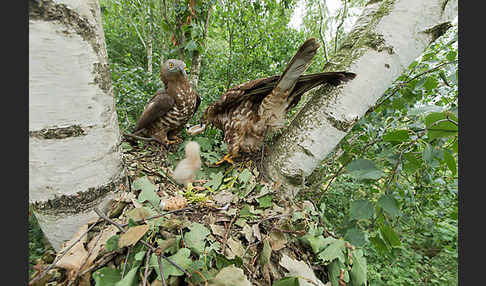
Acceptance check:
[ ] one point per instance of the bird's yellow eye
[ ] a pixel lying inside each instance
(171, 65)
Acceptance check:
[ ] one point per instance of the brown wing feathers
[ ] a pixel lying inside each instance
(157, 107)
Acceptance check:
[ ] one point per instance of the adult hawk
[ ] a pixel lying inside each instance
(245, 112)
(169, 110)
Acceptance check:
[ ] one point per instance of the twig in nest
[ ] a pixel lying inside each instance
(125, 263)
(159, 215)
(44, 272)
(226, 233)
(145, 275)
(159, 259)
(102, 261)
(86, 259)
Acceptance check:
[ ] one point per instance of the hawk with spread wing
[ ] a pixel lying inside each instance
(245, 112)
(169, 110)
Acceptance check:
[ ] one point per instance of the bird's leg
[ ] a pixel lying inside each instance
(172, 138)
(228, 158)
(201, 181)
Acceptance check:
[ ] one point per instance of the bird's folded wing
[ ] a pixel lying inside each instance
(160, 104)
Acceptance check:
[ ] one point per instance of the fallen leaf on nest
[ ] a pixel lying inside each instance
(299, 268)
(138, 213)
(174, 203)
(132, 235)
(230, 275)
(248, 232)
(277, 240)
(76, 255)
(218, 229)
(223, 197)
(256, 232)
(236, 248)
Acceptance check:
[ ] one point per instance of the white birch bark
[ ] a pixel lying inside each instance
(385, 40)
(74, 156)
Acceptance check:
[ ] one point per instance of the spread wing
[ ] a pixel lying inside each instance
(256, 90)
(159, 105)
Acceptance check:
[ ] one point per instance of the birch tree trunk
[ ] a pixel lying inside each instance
(385, 40)
(74, 155)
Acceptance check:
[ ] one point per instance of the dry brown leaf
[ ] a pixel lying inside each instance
(138, 213)
(108, 232)
(175, 203)
(218, 230)
(132, 235)
(256, 232)
(74, 258)
(223, 197)
(248, 232)
(277, 240)
(236, 247)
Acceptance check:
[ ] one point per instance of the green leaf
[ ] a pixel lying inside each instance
(148, 192)
(361, 209)
(266, 253)
(356, 237)
(245, 176)
(222, 261)
(438, 125)
(287, 281)
(411, 163)
(390, 235)
(334, 250)
(431, 83)
(451, 162)
(390, 205)
(249, 211)
(106, 276)
(130, 279)
(451, 55)
(195, 239)
(396, 136)
(140, 255)
(181, 258)
(334, 272)
(112, 243)
(317, 243)
(215, 181)
(427, 154)
(379, 245)
(265, 201)
(358, 271)
(364, 169)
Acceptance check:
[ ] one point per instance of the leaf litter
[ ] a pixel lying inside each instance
(236, 232)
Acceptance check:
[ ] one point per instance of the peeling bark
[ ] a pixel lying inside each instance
(385, 39)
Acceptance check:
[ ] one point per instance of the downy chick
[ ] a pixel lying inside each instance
(186, 170)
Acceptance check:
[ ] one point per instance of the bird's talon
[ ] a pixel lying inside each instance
(226, 158)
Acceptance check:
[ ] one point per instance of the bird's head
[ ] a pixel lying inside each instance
(173, 69)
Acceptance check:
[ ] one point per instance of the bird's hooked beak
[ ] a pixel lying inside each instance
(183, 70)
